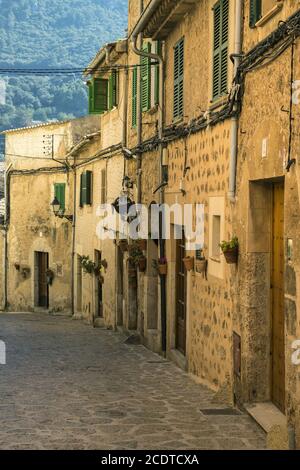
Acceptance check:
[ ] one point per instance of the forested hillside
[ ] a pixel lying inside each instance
(52, 33)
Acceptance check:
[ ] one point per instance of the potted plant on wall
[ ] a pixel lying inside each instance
(162, 266)
(50, 276)
(188, 262)
(230, 250)
(136, 256)
(88, 265)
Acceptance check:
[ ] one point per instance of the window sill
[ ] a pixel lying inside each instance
(218, 102)
(269, 15)
(178, 120)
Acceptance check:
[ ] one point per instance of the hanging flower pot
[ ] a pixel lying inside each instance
(162, 266)
(200, 265)
(230, 250)
(104, 264)
(49, 276)
(123, 245)
(188, 262)
(101, 279)
(231, 255)
(142, 264)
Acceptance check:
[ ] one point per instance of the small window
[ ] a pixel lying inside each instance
(59, 193)
(146, 78)
(103, 186)
(178, 80)
(220, 47)
(134, 98)
(86, 188)
(255, 12)
(113, 89)
(216, 236)
(98, 95)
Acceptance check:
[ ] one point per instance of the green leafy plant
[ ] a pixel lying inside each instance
(232, 244)
(88, 265)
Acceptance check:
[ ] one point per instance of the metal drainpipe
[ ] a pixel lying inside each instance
(6, 225)
(163, 297)
(234, 119)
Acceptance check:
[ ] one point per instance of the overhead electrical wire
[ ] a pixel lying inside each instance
(67, 71)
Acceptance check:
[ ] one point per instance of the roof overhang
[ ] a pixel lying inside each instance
(161, 16)
(109, 52)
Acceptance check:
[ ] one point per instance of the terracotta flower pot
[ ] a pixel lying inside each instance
(142, 263)
(201, 265)
(231, 255)
(188, 263)
(162, 269)
(101, 279)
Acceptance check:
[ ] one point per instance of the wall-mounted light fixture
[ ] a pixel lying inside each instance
(58, 211)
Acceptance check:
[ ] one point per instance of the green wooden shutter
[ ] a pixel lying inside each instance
(88, 185)
(113, 79)
(91, 96)
(59, 191)
(255, 12)
(220, 56)
(156, 85)
(82, 189)
(134, 97)
(100, 95)
(178, 79)
(146, 79)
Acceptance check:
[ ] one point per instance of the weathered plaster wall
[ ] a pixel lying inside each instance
(263, 155)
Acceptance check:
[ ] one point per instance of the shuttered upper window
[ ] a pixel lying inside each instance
(113, 89)
(255, 12)
(103, 186)
(59, 193)
(98, 95)
(85, 188)
(178, 79)
(146, 79)
(220, 56)
(134, 98)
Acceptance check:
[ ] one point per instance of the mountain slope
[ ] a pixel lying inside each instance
(52, 33)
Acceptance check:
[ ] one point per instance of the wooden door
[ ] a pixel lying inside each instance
(180, 296)
(43, 288)
(99, 289)
(278, 328)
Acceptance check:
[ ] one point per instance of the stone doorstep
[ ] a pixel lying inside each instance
(178, 358)
(273, 422)
(266, 415)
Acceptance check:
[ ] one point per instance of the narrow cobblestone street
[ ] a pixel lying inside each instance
(69, 386)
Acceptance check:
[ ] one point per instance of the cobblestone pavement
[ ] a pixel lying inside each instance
(69, 386)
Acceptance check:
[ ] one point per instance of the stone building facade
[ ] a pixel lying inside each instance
(266, 219)
(37, 246)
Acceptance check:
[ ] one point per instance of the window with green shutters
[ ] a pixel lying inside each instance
(98, 95)
(255, 12)
(156, 84)
(146, 79)
(86, 188)
(178, 79)
(59, 193)
(134, 98)
(220, 56)
(113, 89)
